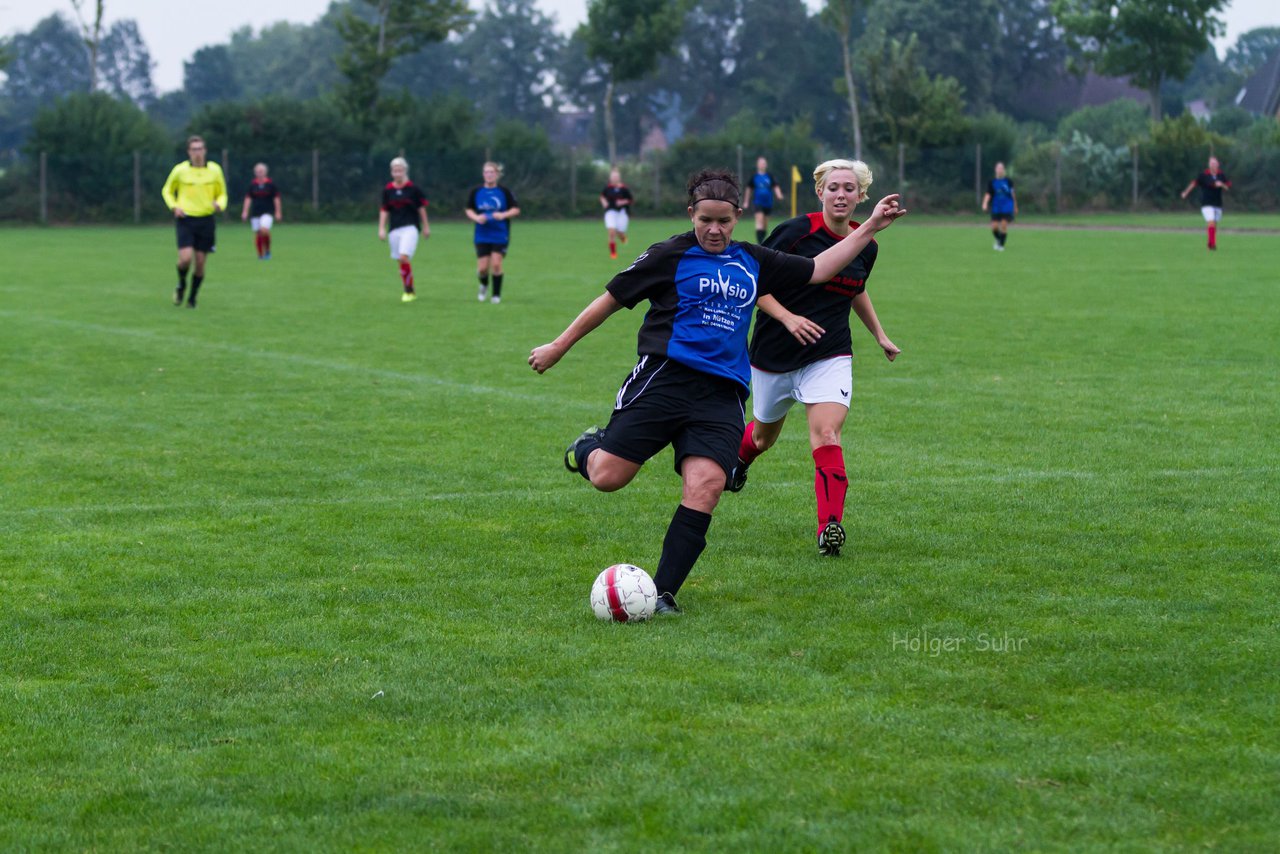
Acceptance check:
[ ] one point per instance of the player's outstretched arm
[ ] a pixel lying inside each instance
(801, 328)
(544, 357)
(834, 259)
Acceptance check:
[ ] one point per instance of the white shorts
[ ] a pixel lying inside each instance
(617, 220)
(823, 381)
(403, 241)
(258, 223)
(1211, 214)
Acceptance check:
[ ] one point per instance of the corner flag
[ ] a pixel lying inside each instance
(795, 182)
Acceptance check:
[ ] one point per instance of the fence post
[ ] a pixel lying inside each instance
(1057, 178)
(902, 164)
(1135, 176)
(315, 179)
(44, 187)
(742, 178)
(137, 187)
(977, 173)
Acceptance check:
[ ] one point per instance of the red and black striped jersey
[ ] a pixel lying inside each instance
(262, 195)
(402, 204)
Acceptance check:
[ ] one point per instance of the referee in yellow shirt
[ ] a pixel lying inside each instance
(195, 191)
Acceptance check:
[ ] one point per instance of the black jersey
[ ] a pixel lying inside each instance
(1210, 195)
(614, 195)
(262, 195)
(402, 204)
(700, 304)
(775, 349)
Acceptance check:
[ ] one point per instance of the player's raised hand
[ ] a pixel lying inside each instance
(887, 211)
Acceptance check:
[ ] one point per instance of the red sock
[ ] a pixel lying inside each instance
(257, 244)
(266, 242)
(406, 275)
(829, 483)
(1213, 235)
(747, 451)
(613, 248)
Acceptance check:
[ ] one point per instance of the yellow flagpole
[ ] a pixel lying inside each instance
(795, 182)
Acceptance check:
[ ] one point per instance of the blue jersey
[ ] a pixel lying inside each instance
(762, 184)
(700, 304)
(487, 200)
(1001, 190)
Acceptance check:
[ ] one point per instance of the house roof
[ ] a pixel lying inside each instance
(1261, 92)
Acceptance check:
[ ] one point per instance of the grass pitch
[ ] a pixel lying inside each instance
(301, 569)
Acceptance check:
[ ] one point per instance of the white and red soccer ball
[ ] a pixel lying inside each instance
(623, 593)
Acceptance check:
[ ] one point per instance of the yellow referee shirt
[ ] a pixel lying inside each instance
(195, 190)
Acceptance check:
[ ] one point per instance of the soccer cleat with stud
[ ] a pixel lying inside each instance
(666, 605)
(495, 300)
(739, 478)
(571, 452)
(408, 296)
(830, 539)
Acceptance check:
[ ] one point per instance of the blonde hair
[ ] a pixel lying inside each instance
(400, 161)
(495, 164)
(860, 171)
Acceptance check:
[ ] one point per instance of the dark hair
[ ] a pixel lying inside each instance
(719, 185)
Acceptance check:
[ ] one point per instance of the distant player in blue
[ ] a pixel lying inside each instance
(489, 207)
(1003, 204)
(690, 384)
(764, 189)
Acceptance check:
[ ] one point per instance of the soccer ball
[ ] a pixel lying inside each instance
(623, 593)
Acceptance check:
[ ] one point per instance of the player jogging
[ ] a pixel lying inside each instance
(802, 349)
(262, 210)
(1003, 204)
(764, 189)
(615, 198)
(195, 191)
(404, 210)
(690, 384)
(1212, 182)
(490, 206)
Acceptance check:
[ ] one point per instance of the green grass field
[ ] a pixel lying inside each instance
(302, 570)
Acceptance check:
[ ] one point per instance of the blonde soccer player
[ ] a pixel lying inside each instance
(262, 210)
(402, 217)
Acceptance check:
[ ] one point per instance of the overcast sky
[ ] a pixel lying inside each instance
(167, 26)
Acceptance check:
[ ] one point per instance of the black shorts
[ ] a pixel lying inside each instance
(484, 250)
(997, 217)
(665, 403)
(196, 232)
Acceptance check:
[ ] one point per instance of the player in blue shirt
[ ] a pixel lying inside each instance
(691, 382)
(1004, 206)
(764, 189)
(490, 206)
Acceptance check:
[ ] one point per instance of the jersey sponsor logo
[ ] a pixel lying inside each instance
(725, 287)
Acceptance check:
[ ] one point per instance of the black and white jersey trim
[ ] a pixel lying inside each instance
(622, 401)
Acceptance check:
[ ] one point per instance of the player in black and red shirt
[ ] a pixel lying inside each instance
(262, 210)
(1211, 182)
(404, 207)
(616, 201)
(802, 349)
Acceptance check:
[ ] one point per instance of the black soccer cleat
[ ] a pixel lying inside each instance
(739, 478)
(666, 605)
(831, 539)
(571, 452)
(178, 293)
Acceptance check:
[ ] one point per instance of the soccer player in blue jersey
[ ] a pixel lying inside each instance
(690, 384)
(491, 207)
(1004, 206)
(262, 210)
(1212, 182)
(764, 189)
(403, 211)
(802, 348)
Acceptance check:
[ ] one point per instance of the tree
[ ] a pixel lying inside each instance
(290, 60)
(1251, 50)
(375, 32)
(1147, 41)
(124, 64)
(908, 106)
(210, 76)
(92, 35)
(45, 64)
(842, 17)
(517, 83)
(629, 37)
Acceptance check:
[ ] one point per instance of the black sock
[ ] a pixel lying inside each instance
(182, 279)
(759, 235)
(196, 281)
(580, 454)
(484, 279)
(1004, 235)
(995, 232)
(497, 284)
(685, 540)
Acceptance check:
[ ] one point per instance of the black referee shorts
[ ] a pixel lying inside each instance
(665, 403)
(196, 232)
